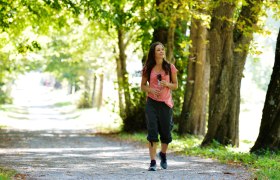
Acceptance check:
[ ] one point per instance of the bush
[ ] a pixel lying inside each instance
(4, 98)
(85, 101)
(135, 120)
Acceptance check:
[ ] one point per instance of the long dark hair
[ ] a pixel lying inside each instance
(151, 62)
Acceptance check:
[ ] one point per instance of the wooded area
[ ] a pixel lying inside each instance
(87, 42)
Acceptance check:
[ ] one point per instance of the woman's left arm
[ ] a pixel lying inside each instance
(174, 84)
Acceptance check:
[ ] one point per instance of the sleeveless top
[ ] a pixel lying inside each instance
(166, 93)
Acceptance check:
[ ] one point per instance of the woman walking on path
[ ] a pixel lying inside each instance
(162, 79)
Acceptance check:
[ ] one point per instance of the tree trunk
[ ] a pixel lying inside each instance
(120, 88)
(192, 120)
(269, 135)
(228, 51)
(160, 32)
(170, 42)
(70, 87)
(93, 91)
(123, 75)
(181, 64)
(100, 92)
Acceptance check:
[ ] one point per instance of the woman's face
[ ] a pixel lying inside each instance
(159, 52)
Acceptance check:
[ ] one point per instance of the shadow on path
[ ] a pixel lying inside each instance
(83, 155)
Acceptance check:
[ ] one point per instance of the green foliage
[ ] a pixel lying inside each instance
(61, 104)
(33, 46)
(85, 101)
(6, 173)
(4, 177)
(135, 137)
(5, 69)
(135, 120)
(275, 7)
(181, 44)
(5, 98)
(265, 167)
(178, 95)
(4, 14)
(21, 25)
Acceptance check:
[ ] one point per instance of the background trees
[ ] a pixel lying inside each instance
(229, 45)
(193, 115)
(96, 44)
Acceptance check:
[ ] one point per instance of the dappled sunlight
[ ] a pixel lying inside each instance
(37, 107)
(112, 159)
(72, 153)
(60, 150)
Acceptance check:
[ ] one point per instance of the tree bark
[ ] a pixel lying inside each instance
(160, 33)
(93, 91)
(228, 51)
(123, 75)
(170, 42)
(100, 92)
(120, 87)
(269, 135)
(192, 120)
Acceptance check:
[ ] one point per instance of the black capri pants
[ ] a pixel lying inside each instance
(159, 121)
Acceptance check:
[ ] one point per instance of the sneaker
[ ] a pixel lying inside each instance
(163, 161)
(153, 166)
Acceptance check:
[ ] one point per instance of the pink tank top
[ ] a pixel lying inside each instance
(166, 94)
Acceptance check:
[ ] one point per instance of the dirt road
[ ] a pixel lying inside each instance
(83, 155)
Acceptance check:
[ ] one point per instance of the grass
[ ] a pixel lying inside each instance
(2, 108)
(6, 173)
(61, 104)
(2, 127)
(15, 116)
(264, 167)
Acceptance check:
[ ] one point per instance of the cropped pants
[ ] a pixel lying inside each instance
(159, 121)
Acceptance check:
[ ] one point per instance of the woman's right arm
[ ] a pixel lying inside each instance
(144, 86)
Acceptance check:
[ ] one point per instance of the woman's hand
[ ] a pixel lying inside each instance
(164, 83)
(156, 92)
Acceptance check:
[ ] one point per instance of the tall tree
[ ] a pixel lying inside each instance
(170, 27)
(118, 19)
(193, 115)
(269, 138)
(229, 44)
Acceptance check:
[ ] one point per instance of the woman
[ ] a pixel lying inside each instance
(159, 78)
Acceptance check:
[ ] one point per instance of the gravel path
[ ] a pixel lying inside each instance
(82, 155)
(42, 141)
